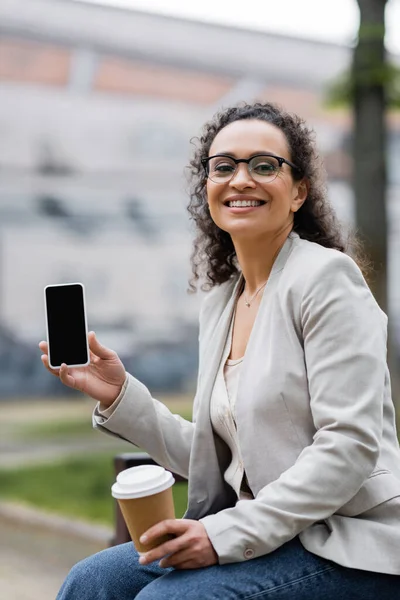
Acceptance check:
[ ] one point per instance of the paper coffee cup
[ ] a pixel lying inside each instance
(144, 495)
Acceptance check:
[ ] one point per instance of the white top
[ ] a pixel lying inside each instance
(231, 374)
(223, 416)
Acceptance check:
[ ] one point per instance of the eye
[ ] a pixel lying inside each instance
(265, 166)
(221, 165)
(224, 167)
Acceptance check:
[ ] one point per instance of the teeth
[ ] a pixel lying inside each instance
(239, 203)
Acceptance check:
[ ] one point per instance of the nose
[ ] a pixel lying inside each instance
(242, 178)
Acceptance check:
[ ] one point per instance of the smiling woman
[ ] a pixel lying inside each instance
(221, 179)
(292, 456)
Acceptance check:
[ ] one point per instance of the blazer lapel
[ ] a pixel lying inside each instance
(215, 345)
(206, 481)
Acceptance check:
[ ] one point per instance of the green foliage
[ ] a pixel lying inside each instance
(72, 428)
(370, 68)
(371, 32)
(76, 487)
(57, 429)
(341, 91)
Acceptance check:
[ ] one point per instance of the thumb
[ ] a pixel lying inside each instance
(97, 348)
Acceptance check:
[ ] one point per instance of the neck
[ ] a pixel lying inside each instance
(256, 258)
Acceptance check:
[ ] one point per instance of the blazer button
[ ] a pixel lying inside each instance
(249, 553)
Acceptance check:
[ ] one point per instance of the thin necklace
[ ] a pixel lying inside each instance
(248, 302)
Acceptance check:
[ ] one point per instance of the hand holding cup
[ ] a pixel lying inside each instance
(144, 495)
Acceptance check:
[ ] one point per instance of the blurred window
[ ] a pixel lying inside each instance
(33, 62)
(133, 77)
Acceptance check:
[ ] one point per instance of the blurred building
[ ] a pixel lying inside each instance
(97, 109)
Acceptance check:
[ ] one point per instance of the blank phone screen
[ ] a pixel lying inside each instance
(66, 325)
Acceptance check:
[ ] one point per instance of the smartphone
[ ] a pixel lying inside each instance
(66, 325)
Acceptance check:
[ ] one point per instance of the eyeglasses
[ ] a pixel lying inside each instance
(263, 168)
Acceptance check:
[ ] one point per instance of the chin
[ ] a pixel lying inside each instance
(244, 232)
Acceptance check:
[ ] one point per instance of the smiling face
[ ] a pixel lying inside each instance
(280, 198)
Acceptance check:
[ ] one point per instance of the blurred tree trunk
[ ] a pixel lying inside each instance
(369, 152)
(369, 70)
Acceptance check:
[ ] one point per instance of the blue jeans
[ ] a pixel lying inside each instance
(291, 572)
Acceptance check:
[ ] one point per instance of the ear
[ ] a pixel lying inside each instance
(301, 189)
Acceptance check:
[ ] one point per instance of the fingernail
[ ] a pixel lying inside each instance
(143, 539)
(142, 560)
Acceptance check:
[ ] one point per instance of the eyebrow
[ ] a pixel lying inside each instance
(233, 155)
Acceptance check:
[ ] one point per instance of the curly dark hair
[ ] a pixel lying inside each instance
(214, 256)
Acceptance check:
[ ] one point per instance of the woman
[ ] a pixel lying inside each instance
(292, 459)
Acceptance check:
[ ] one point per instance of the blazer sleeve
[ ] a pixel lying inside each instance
(344, 335)
(147, 423)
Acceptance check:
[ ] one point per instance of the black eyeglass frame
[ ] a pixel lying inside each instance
(205, 162)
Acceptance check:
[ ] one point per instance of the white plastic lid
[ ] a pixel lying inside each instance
(138, 482)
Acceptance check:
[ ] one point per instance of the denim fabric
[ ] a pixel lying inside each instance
(291, 572)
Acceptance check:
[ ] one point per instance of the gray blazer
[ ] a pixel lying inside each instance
(315, 419)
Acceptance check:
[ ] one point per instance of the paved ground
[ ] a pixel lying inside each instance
(36, 552)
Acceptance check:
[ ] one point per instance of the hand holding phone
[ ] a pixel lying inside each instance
(93, 369)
